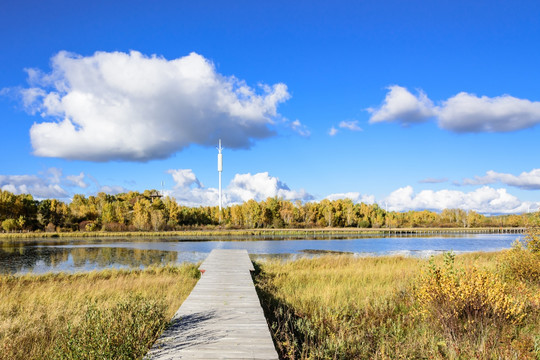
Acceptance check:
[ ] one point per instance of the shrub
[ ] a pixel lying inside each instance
(50, 227)
(532, 240)
(522, 262)
(114, 227)
(466, 302)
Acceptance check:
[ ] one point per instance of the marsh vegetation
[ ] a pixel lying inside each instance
(481, 305)
(476, 305)
(111, 314)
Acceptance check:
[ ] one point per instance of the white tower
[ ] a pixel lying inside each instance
(219, 169)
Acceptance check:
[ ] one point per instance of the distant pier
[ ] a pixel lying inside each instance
(428, 231)
(222, 317)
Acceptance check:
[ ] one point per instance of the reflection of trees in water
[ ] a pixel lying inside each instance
(104, 256)
(17, 257)
(23, 258)
(56, 258)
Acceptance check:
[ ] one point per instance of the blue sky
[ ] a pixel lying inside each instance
(414, 105)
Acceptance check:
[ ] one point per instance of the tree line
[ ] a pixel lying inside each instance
(147, 211)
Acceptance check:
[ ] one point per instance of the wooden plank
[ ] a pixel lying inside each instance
(222, 318)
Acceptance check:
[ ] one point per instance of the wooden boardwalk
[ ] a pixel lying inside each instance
(221, 318)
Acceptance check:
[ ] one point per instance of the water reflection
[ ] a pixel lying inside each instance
(90, 254)
(21, 258)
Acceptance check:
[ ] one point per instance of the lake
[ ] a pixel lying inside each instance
(82, 254)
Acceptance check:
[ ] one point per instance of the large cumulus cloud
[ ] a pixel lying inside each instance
(484, 200)
(188, 190)
(400, 105)
(462, 113)
(261, 186)
(128, 106)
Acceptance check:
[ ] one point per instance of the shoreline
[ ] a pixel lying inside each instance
(201, 234)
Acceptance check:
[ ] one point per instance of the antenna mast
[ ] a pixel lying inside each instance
(219, 169)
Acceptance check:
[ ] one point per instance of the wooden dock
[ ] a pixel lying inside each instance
(222, 318)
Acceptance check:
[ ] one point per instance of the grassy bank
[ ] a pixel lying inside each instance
(112, 314)
(341, 307)
(246, 233)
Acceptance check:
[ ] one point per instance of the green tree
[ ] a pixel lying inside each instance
(252, 213)
(10, 225)
(108, 214)
(7, 200)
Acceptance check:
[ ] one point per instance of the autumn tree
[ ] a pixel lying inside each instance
(141, 214)
(252, 214)
(237, 217)
(10, 225)
(286, 212)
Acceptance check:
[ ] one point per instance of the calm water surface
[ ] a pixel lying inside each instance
(18, 257)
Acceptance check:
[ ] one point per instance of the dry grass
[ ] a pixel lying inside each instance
(341, 307)
(335, 281)
(35, 311)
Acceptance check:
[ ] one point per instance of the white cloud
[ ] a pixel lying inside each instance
(54, 174)
(484, 200)
(402, 106)
(38, 187)
(300, 128)
(430, 180)
(197, 196)
(119, 106)
(356, 197)
(49, 184)
(77, 180)
(350, 125)
(470, 113)
(184, 178)
(525, 180)
(112, 189)
(242, 188)
(462, 113)
(260, 186)
(31, 98)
